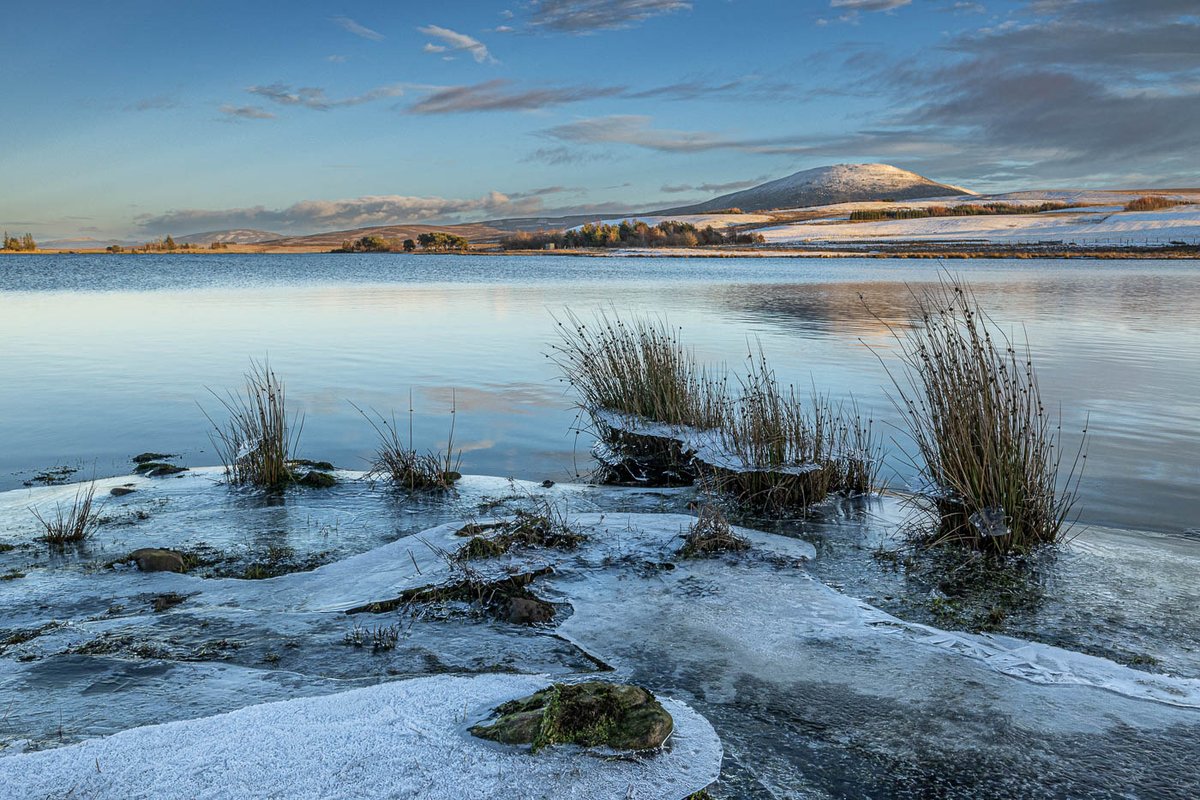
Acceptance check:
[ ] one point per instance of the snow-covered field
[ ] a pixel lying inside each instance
(1083, 226)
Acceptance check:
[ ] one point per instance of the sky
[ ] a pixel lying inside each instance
(132, 119)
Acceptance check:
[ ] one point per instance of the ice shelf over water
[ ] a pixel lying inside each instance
(405, 739)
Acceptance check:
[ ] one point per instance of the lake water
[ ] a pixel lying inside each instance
(103, 357)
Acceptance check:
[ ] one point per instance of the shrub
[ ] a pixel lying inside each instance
(970, 400)
(71, 524)
(711, 534)
(963, 210)
(1152, 203)
(257, 442)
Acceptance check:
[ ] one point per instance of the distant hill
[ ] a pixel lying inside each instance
(237, 236)
(840, 183)
(475, 232)
(84, 243)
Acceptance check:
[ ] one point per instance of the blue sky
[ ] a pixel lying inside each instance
(136, 119)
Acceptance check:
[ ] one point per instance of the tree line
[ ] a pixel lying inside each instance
(629, 233)
(965, 210)
(25, 243)
(434, 241)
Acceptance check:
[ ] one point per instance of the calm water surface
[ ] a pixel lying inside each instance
(102, 357)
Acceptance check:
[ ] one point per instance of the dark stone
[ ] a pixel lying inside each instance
(317, 480)
(121, 491)
(157, 469)
(153, 559)
(164, 601)
(144, 458)
(594, 714)
(528, 611)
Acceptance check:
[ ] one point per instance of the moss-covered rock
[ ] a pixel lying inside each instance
(595, 714)
(316, 480)
(323, 466)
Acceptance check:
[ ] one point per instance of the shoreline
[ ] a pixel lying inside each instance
(872, 250)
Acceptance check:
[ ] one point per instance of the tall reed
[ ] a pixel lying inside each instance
(257, 441)
(970, 400)
(71, 524)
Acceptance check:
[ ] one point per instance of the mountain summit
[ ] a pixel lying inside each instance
(840, 183)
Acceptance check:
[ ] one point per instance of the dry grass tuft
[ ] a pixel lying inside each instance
(400, 464)
(257, 441)
(71, 524)
(711, 534)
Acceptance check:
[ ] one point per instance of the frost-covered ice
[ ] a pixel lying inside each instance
(405, 739)
(809, 688)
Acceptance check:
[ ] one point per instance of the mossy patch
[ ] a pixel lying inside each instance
(315, 480)
(55, 476)
(594, 714)
(544, 527)
(497, 598)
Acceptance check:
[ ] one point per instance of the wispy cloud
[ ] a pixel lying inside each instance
(636, 130)
(454, 40)
(314, 97)
(159, 102)
(351, 26)
(497, 96)
(587, 16)
(245, 112)
(559, 156)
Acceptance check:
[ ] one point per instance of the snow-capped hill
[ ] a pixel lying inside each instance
(840, 183)
(237, 236)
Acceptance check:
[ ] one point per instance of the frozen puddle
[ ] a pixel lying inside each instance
(405, 739)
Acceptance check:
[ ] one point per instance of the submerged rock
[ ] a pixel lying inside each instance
(528, 611)
(594, 714)
(317, 480)
(153, 559)
(155, 469)
(145, 458)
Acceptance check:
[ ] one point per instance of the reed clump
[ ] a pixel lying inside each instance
(257, 441)
(400, 464)
(783, 451)
(639, 369)
(989, 448)
(71, 524)
(759, 441)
